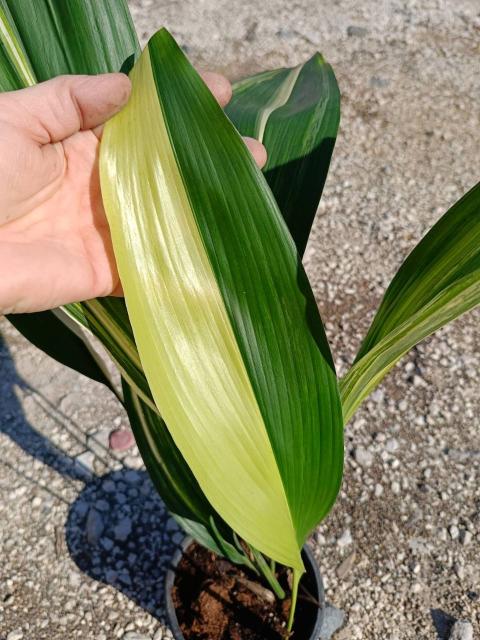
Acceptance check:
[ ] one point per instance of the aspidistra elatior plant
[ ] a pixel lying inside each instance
(264, 508)
(227, 376)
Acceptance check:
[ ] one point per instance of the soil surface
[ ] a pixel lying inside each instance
(216, 600)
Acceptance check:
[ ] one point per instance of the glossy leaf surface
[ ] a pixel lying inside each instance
(225, 322)
(295, 113)
(74, 36)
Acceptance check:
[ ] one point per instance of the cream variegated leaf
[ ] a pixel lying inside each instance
(295, 113)
(438, 282)
(245, 384)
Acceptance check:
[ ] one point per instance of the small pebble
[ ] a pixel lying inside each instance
(378, 490)
(17, 634)
(102, 505)
(172, 525)
(95, 526)
(395, 487)
(109, 486)
(345, 539)
(107, 544)
(419, 382)
(132, 477)
(391, 445)
(363, 457)
(81, 508)
(320, 538)
(86, 459)
(443, 535)
(332, 621)
(357, 32)
(123, 529)
(178, 537)
(121, 439)
(346, 566)
(466, 537)
(454, 531)
(461, 630)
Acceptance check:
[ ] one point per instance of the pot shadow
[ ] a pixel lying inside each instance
(118, 530)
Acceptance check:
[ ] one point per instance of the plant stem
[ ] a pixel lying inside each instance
(272, 566)
(296, 580)
(268, 574)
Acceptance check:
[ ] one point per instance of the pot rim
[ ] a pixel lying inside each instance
(171, 614)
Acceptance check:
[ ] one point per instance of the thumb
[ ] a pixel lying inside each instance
(58, 108)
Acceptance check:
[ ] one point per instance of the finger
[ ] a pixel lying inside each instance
(257, 150)
(60, 107)
(98, 131)
(219, 86)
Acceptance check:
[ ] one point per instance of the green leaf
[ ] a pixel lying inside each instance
(174, 480)
(106, 318)
(74, 36)
(295, 113)
(438, 282)
(83, 37)
(223, 316)
(65, 334)
(55, 334)
(15, 69)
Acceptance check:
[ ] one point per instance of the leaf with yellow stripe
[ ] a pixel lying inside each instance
(295, 113)
(65, 334)
(15, 69)
(224, 319)
(72, 36)
(438, 281)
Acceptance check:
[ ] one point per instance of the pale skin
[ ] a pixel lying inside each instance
(55, 244)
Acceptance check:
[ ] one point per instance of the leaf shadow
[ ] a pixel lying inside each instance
(117, 531)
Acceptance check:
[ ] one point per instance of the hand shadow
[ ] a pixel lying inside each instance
(118, 530)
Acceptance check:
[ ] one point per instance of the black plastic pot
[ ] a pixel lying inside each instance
(306, 629)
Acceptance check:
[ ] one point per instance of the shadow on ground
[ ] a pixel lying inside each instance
(442, 622)
(117, 531)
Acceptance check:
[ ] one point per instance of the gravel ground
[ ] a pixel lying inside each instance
(84, 540)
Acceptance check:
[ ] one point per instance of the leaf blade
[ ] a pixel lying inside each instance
(15, 69)
(57, 43)
(248, 328)
(53, 335)
(295, 113)
(438, 281)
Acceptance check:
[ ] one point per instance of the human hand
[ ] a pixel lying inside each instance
(55, 244)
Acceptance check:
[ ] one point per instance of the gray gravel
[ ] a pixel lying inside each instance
(333, 620)
(461, 630)
(84, 543)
